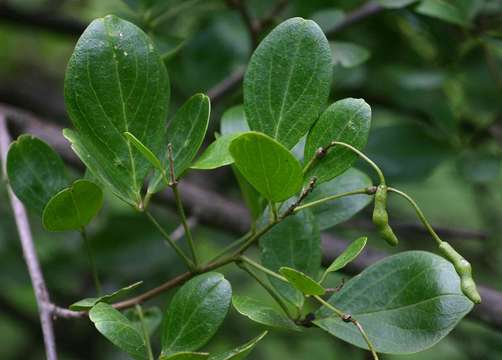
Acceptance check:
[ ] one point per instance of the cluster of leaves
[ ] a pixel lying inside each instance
(117, 94)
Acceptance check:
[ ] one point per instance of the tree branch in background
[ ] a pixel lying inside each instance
(368, 9)
(29, 252)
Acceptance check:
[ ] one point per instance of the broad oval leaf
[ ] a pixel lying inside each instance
(348, 255)
(217, 154)
(288, 80)
(185, 356)
(36, 172)
(115, 83)
(267, 165)
(334, 212)
(195, 313)
(119, 330)
(302, 282)
(413, 296)
(186, 133)
(241, 352)
(74, 207)
(346, 120)
(87, 303)
(263, 314)
(295, 243)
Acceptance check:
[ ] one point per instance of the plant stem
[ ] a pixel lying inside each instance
(145, 332)
(232, 245)
(419, 212)
(92, 263)
(273, 207)
(254, 237)
(346, 318)
(366, 191)
(183, 218)
(166, 236)
(269, 289)
(262, 268)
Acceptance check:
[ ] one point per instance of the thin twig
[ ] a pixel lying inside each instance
(29, 252)
(366, 10)
(251, 24)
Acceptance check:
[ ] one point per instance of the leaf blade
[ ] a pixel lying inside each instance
(240, 352)
(302, 282)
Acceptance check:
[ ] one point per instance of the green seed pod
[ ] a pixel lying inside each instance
(464, 270)
(381, 218)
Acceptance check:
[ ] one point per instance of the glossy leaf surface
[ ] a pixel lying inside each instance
(195, 313)
(74, 207)
(302, 282)
(347, 121)
(288, 80)
(263, 314)
(36, 172)
(414, 297)
(267, 165)
(115, 83)
(348, 255)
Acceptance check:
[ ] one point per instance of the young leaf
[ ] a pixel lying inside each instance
(413, 296)
(185, 356)
(347, 54)
(36, 172)
(116, 82)
(348, 255)
(241, 352)
(217, 154)
(334, 212)
(346, 120)
(295, 243)
(74, 207)
(302, 282)
(87, 303)
(195, 313)
(267, 165)
(288, 80)
(146, 152)
(185, 133)
(262, 313)
(119, 330)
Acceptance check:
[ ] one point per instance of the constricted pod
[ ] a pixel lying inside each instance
(381, 218)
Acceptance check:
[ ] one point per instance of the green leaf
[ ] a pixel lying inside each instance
(36, 172)
(262, 313)
(195, 313)
(288, 81)
(267, 165)
(234, 121)
(346, 120)
(455, 12)
(302, 282)
(87, 303)
(295, 243)
(146, 152)
(74, 207)
(334, 212)
(241, 352)
(217, 154)
(116, 82)
(348, 255)
(185, 133)
(395, 4)
(185, 356)
(119, 330)
(348, 54)
(413, 297)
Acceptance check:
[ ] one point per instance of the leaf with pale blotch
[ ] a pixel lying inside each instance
(119, 330)
(288, 80)
(262, 314)
(414, 297)
(347, 121)
(195, 313)
(116, 82)
(241, 352)
(87, 303)
(35, 171)
(74, 207)
(302, 282)
(272, 170)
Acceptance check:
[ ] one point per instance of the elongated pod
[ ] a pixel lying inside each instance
(381, 218)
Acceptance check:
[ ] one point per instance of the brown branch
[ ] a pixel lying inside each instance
(41, 20)
(251, 24)
(29, 252)
(366, 10)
